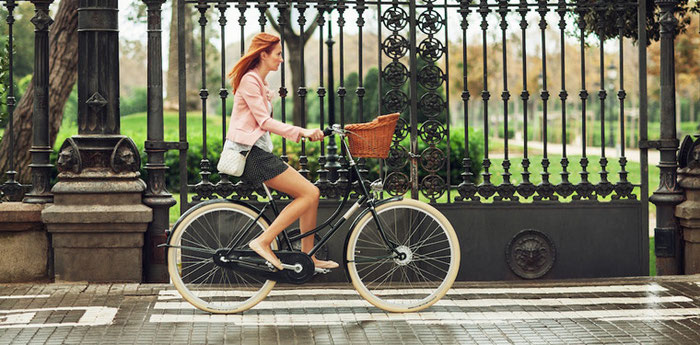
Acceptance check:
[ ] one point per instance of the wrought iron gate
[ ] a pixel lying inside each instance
(540, 223)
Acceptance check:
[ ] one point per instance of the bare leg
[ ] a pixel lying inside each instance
(304, 207)
(305, 201)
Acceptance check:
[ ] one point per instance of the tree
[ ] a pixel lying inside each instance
(191, 62)
(63, 60)
(605, 16)
(294, 44)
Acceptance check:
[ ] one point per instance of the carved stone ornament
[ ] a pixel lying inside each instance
(41, 20)
(69, 157)
(96, 101)
(530, 254)
(125, 157)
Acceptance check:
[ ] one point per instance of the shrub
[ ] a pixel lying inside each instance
(136, 102)
(214, 145)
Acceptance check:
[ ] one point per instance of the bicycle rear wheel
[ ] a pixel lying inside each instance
(193, 272)
(427, 263)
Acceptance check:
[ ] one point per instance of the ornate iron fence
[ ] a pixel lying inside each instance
(39, 190)
(415, 39)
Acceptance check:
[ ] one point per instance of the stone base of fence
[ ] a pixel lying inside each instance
(24, 243)
(97, 224)
(688, 214)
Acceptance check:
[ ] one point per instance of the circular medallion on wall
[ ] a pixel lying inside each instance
(530, 254)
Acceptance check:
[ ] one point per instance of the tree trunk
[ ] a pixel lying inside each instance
(294, 59)
(193, 64)
(63, 60)
(192, 57)
(171, 93)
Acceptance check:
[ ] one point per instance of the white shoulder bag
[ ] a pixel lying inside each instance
(232, 162)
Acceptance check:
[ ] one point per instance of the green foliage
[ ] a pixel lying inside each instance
(70, 110)
(511, 132)
(22, 36)
(606, 18)
(137, 102)
(4, 86)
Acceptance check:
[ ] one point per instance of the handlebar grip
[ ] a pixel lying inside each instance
(328, 131)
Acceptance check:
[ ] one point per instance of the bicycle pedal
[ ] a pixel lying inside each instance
(321, 270)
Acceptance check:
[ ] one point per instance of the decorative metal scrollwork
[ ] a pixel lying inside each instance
(433, 186)
(401, 131)
(431, 49)
(430, 22)
(397, 183)
(395, 46)
(530, 254)
(431, 104)
(395, 18)
(432, 132)
(395, 73)
(432, 159)
(395, 101)
(431, 77)
(398, 157)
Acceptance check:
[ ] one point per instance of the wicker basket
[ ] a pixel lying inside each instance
(372, 139)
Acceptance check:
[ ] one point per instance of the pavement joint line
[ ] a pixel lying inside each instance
(469, 317)
(653, 287)
(24, 296)
(334, 303)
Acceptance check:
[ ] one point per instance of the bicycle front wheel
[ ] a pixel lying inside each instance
(422, 270)
(193, 272)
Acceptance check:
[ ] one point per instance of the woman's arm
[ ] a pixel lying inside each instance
(252, 94)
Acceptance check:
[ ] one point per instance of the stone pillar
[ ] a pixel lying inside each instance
(98, 220)
(688, 212)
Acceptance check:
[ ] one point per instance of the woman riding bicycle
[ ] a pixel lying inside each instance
(249, 130)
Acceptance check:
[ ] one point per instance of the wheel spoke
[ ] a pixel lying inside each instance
(203, 283)
(424, 264)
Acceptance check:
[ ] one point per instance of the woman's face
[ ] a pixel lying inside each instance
(273, 60)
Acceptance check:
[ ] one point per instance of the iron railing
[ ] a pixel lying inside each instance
(11, 189)
(415, 39)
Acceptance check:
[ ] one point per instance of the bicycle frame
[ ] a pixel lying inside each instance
(365, 198)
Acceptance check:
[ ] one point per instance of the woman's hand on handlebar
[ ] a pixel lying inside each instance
(314, 134)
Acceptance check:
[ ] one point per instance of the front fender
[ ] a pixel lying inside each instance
(352, 226)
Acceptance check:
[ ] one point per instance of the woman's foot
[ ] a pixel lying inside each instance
(266, 253)
(325, 263)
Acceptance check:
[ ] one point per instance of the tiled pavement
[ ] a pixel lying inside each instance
(630, 311)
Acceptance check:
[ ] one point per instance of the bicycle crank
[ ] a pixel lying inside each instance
(298, 267)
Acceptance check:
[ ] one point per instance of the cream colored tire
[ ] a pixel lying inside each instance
(226, 291)
(402, 295)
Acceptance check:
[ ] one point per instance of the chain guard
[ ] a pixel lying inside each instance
(250, 262)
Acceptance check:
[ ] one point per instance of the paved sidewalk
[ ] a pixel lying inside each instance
(633, 310)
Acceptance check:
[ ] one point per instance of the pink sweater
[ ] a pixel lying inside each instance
(251, 116)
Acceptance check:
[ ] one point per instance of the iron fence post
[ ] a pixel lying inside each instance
(156, 195)
(41, 149)
(668, 248)
(10, 189)
(332, 164)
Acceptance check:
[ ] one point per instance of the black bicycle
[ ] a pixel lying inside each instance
(401, 255)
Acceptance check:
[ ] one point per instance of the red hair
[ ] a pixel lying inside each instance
(262, 42)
